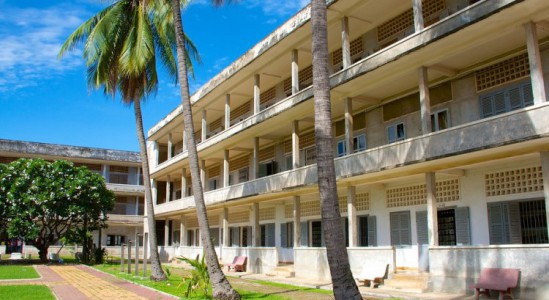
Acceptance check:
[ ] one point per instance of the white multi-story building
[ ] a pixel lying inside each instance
(441, 126)
(122, 173)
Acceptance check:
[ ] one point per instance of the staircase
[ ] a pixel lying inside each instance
(407, 280)
(283, 270)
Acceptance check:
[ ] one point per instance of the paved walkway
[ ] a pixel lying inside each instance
(83, 283)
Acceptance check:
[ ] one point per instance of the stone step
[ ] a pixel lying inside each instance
(407, 280)
(286, 271)
(402, 289)
(405, 283)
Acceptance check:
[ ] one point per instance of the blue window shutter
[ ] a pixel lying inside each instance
(422, 228)
(372, 231)
(463, 226)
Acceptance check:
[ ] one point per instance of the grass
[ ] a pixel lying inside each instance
(17, 272)
(293, 287)
(26, 292)
(174, 285)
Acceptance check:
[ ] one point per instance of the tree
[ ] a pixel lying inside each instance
(222, 289)
(121, 45)
(338, 260)
(50, 200)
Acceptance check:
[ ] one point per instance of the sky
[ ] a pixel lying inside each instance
(44, 99)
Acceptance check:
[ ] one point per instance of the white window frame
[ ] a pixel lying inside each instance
(341, 143)
(395, 128)
(355, 142)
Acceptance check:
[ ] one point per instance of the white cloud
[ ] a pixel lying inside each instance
(29, 42)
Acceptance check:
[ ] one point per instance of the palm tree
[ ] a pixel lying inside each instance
(120, 49)
(338, 260)
(222, 289)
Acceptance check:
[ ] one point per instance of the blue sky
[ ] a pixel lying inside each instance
(43, 99)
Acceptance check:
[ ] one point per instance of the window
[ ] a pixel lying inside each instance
(396, 132)
(506, 99)
(439, 120)
(341, 148)
(213, 184)
(115, 240)
(367, 231)
(359, 143)
(239, 176)
(310, 156)
(453, 227)
(518, 222)
(400, 228)
(267, 168)
(268, 235)
(316, 234)
(289, 162)
(287, 234)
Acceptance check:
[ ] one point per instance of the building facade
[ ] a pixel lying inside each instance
(123, 176)
(440, 119)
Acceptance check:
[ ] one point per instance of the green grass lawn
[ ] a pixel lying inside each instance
(294, 287)
(174, 285)
(17, 272)
(26, 292)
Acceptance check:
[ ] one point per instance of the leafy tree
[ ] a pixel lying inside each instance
(222, 289)
(121, 46)
(50, 200)
(338, 260)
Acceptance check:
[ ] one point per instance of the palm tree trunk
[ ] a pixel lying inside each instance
(157, 274)
(338, 260)
(222, 289)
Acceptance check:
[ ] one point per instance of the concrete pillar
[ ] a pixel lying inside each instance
(225, 168)
(345, 42)
(203, 173)
(154, 191)
(418, 15)
(432, 219)
(536, 68)
(227, 111)
(349, 135)
(351, 214)
(204, 125)
(156, 153)
(167, 232)
(170, 146)
(138, 176)
(295, 144)
(255, 160)
(424, 101)
(184, 183)
(280, 218)
(544, 156)
(295, 71)
(225, 224)
(105, 172)
(257, 94)
(168, 189)
(136, 205)
(256, 229)
(182, 232)
(297, 221)
(184, 140)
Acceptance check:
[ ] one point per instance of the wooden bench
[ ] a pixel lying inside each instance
(373, 275)
(497, 279)
(238, 264)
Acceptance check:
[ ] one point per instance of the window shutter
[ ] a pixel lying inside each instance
(515, 235)
(515, 98)
(372, 231)
(236, 236)
(395, 229)
(249, 236)
(283, 236)
(422, 228)
(463, 226)
(527, 95)
(486, 108)
(496, 223)
(499, 103)
(405, 232)
(270, 231)
(305, 234)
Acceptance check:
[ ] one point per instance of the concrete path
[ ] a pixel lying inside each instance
(82, 283)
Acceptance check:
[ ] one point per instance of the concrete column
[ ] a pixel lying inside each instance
(418, 15)
(227, 111)
(297, 222)
(349, 134)
(167, 232)
(345, 42)
(184, 183)
(255, 160)
(256, 229)
(536, 68)
(544, 156)
(156, 153)
(432, 219)
(136, 205)
(138, 176)
(105, 171)
(280, 218)
(184, 140)
(257, 94)
(295, 144)
(225, 168)
(154, 192)
(204, 125)
(182, 232)
(168, 189)
(225, 224)
(170, 146)
(203, 173)
(295, 71)
(424, 101)
(351, 213)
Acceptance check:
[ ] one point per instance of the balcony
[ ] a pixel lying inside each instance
(520, 131)
(129, 189)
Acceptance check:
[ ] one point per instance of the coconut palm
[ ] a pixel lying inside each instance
(338, 260)
(222, 289)
(121, 45)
